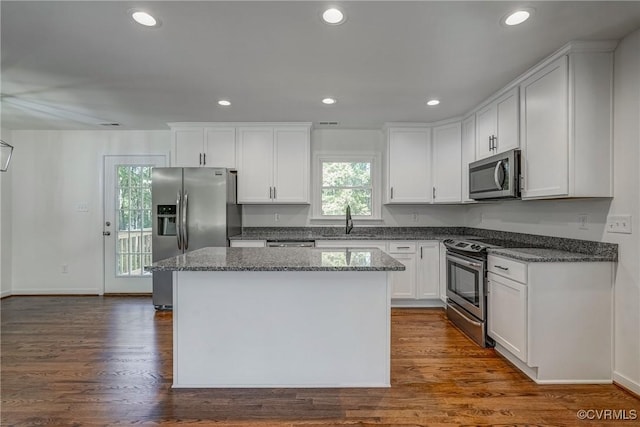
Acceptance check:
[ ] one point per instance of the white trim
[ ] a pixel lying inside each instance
(626, 382)
(5, 294)
(376, 184)
(58, 291)
(235, 124)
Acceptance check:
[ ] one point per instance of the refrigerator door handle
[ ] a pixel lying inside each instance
(185, 222)
(178, 220)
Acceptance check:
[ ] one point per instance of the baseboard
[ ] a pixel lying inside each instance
(407, 303)
(88, 291)
(5, 294)
(626, 383)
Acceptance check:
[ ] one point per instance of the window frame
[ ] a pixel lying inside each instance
(376, 193)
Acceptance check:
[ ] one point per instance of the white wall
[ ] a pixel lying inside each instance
(5, 224)
(627, 201)
(52, 172)
(324, 141)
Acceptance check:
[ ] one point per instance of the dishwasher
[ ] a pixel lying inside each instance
(299, 244)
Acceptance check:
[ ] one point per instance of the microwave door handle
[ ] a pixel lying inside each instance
(496, 175)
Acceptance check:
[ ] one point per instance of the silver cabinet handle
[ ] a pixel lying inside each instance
(434, 192)
(185, 221)
(274, 193)
(200, 161)
(270, 192)
(204, 159)
(421, 252)
(179, 224)
(403, 247)
(391, 192)
(502, 268)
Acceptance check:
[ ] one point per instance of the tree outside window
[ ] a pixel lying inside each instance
(346, 183)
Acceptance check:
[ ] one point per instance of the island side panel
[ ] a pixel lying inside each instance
(281, 329)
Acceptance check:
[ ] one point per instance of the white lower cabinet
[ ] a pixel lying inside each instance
(248, 243)
(403, 283)
(428, 270)
(553, 320)
(507, 317)
(418, 285)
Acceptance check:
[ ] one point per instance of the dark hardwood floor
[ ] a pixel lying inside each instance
(75, 361)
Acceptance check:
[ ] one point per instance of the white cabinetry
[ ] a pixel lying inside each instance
(443, 272)
(248, 243)
(409, 165)
(195, 146)
(447, 162)
(273, 164)
(428, 270)
(403, 283)
(552, 320)
(566, 128)
(497, 125)
(418, 285)
(468, 154)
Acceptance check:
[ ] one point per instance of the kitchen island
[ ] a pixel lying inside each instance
(281, 317)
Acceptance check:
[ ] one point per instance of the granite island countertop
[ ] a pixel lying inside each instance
(279, 259)
(523, 247)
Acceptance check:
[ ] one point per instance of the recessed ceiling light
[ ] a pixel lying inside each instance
(517, 17)
(329, 101)
(224, 103)
(433, 102)
(333, 16)
(144, 18)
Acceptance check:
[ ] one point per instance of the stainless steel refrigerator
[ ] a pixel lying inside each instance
(192, 208)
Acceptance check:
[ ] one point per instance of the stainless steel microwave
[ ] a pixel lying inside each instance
(496, 177)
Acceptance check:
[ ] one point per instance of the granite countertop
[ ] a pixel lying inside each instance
(547, 255)
(522, 247)
(280, 259)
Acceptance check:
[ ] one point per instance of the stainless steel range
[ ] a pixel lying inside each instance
(467, 286)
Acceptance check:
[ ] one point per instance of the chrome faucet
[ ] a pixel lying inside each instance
(349, 225)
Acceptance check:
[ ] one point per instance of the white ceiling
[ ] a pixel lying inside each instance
(74, 65)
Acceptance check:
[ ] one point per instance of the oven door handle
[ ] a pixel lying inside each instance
(473, 322)
(465, 263)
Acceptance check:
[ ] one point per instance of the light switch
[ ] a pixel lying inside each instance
(619, 224)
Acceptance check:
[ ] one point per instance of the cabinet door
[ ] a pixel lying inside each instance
(188, 146)
(291, 167)
(545, 142)
(428, 266)
(507, 127)
(485, 128)
(409, 166)
(255, 165)
(447, 163)
(468, 154)
(220, 147)
(403, 283)
(507, 314)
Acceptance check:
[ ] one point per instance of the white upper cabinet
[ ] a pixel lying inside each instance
(447, 162)
(196, 146)
(273, 164)
(408, 165)
(566, 128)
(468, 154)
(497, 125)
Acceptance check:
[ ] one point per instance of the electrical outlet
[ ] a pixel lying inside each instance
(583, 221)
(619, 224)
(276, 217)
(414, 217)
(65, 269)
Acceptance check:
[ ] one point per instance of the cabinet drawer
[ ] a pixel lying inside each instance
(507, 268)
(402, 247)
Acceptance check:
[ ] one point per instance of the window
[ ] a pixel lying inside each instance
(133, 248)
(347, 180)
